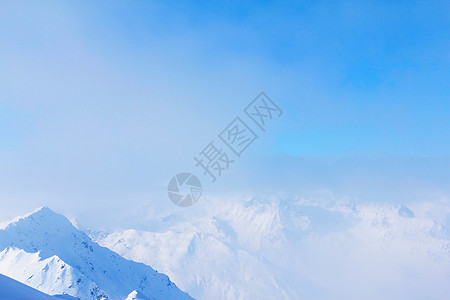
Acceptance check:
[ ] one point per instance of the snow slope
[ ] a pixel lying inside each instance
(51, 275)
(282, 248)
(11, 289)
(45, 251)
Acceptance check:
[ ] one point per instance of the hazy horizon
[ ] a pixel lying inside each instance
(102, 104)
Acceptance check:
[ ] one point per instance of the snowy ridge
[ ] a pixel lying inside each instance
(11, 289)
(51, 276)
(44, 250)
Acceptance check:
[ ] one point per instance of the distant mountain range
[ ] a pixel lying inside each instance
(288, 248)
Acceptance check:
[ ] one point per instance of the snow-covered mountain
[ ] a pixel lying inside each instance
(45, 251)
(283, 248)
(252, 248)
(11, 289)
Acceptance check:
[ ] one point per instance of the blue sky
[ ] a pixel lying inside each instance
(101, 103)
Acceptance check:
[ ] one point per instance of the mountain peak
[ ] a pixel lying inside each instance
(96, 271)
(40, 217)
(46, 228)
(43, 209)
(42, 213)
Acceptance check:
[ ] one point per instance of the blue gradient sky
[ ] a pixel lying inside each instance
(101, 103)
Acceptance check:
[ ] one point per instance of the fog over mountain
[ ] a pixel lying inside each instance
(283, 247)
